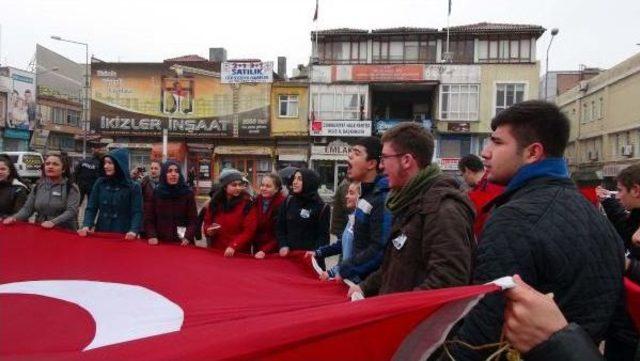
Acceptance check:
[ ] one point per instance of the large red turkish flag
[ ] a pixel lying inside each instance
(63, 297)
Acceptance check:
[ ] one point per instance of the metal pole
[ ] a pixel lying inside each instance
(85, 104)
(554, 32)
(165, 140)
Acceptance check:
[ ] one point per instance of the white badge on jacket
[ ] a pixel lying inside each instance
(399, 241)
(56, 193)
(304, 213)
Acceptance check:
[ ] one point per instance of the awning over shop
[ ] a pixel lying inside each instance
(243, 150)
(329, 157)
(293, 154)
(612, 170)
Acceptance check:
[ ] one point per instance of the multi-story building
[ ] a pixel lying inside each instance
(605, 122)
(560, 81)
(363, 82)
(215, 113)
(17, 108)
(289, 123)
(60, 89)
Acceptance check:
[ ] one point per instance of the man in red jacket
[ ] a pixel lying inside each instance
(481, 190)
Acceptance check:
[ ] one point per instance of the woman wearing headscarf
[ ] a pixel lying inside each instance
(54, 198)
(171, 214)
(228, 220)
(303, 222)
(13, 193)
(115, 204)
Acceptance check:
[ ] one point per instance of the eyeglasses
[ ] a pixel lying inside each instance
(383, 157)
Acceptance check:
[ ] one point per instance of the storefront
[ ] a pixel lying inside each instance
(292, 156)
(254, 161)
(16, 139)
(330, 161)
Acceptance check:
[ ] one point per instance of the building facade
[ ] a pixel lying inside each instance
(363, 82)
(289, 123)
(60, 89)
(18, 108)
(213, 118)
(558, 82)
(605, 122)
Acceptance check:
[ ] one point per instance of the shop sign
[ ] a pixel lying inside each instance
(453, 74)
(17, 133)
(380, 73)
(336, 147)
(448, 163)
(252, 127)
(39, 138)
(246, 72)
(321, 73)
(459, 127)
(386, 124)
(341, 128)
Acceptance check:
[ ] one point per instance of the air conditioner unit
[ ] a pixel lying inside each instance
(583, 86)
(627, 150)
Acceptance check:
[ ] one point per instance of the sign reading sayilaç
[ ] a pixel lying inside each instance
(234, 72)
(344, 128)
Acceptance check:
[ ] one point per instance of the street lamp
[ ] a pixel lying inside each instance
(554, 32)
(85, 102)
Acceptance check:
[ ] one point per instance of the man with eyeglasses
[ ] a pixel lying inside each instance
(431, 240)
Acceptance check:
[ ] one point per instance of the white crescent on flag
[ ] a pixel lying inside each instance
(121, 312)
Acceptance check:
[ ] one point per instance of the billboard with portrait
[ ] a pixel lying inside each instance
(145, 98)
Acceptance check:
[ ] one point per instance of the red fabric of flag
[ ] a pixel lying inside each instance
(104, 298)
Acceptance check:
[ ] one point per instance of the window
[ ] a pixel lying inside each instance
(462, 50)
(45, 114)
(584, 113)
(454, 146)
(339, 106)
(411, 51)
(601, 109)
(404, 50)
(593, 110)
(459, 101)
(288, 106)
(347, 51)
(508, 95)
(58, 116)
(396, 51)
(73, 117)
(504, 50)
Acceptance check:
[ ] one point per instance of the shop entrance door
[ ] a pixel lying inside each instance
(341, 173)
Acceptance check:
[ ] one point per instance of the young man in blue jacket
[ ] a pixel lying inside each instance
(372, 220)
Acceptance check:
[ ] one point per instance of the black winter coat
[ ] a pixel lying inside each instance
(626, 223)
(303, 225)
(550, 235)
(571, 343)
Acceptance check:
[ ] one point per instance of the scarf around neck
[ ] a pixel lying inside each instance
(399, 199)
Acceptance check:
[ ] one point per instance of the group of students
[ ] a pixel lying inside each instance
(409, 227)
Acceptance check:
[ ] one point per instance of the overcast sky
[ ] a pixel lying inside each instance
(597, 33)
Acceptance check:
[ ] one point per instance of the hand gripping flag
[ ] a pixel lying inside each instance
(64, 297)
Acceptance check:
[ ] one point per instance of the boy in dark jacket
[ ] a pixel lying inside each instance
(624, 213)
(372, 223)
(543, 229)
